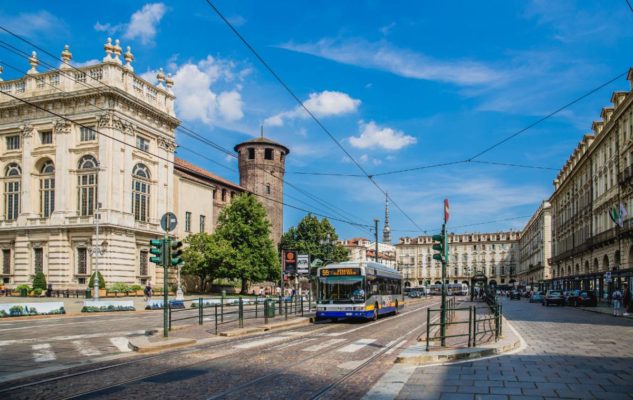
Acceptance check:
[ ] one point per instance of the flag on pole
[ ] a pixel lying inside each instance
(623, 215)
(446, 211)
(618, 214)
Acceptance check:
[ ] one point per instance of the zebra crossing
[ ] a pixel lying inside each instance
(309, 345)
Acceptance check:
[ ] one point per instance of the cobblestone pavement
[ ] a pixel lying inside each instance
(569, 353)
(296, 363)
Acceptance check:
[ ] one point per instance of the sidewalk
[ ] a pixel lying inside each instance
(603, 309)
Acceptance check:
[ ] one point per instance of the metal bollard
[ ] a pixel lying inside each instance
(216, 318)
(256, 306)
(280, 310)
(222, 307)
(474, 326)
(266, 305)
(200, 311)
(302, 306)
(428, 327)
(470, 325)
(241, 313)
(286, 309)
(309, 301)
(168, 313)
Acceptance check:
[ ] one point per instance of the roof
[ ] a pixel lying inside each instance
(261, 140)
(197, 172)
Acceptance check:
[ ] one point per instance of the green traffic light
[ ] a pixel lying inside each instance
(176, 253)
(438, 247)
(438, 257)
(438, 238)
(156, 242)
(157, 251)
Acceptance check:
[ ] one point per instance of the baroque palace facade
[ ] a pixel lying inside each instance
(496, 255)
(594, 187)
(96, 144)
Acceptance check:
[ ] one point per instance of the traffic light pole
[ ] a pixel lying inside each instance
(443, 308)
(166, 265)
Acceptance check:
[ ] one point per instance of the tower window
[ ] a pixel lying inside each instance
(251, 153)
(268, 154)
(268, 189)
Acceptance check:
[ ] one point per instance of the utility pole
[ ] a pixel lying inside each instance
(376, 231)
(97, 252)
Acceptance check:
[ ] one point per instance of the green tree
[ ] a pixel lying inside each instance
(246, 229)
(91, 282)
(39, 281)
(206, 257)
(316, 238)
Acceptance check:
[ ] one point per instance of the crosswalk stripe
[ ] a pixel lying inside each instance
(261, 342)
(323, 345)
(357, 345)
(120, 343)
(85, 349)
(43, 352)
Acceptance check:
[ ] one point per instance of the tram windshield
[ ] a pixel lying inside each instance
(339, 290)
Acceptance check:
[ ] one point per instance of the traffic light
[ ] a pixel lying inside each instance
(176, 253)
(158, 250)
(439, 246)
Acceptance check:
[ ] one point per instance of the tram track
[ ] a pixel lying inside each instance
(177, 354)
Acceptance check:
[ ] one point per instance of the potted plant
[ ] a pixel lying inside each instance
(23, 289)
(102, 284)
(136, 290)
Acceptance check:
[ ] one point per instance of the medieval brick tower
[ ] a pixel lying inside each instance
(262, 166)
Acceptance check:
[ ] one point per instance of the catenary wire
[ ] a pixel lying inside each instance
(307, 110)
(187, 131)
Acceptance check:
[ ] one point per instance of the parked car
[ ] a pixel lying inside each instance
(537, 297)
(586, 298)
(554, 297)
(515, 295)
(414, 294)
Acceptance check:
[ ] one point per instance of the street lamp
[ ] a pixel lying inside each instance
(96, 251)
(327, 243)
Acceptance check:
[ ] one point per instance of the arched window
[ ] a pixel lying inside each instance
(140, 192)
(87, 185)
(47, 189)
(12, 192)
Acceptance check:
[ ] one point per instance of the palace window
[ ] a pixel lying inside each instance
(13, 142)
(46, 137)
(187, 221)
(142, 143)
(6, 261)
(202, 223)
(38, 260)
(87, 133)
(143, 257)
(268, 154)
(82, 261)
(12, 192)
(87, 185)
(47, 189)
(223, 194)
(140, 193)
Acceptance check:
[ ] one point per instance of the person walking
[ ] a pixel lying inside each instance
(616, 298)
(148, 291)
(627, 301)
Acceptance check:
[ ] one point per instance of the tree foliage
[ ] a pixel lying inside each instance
(39, 281)
(245, 228)
(206, 257)
(102, 283)
(308, 237)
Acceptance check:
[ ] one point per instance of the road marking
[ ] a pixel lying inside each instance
(285, 346)
(391, 383)
(357, 345)
(85, 349)
(68, 337)
(260, 342)
(121, 343)
(42, 325)
(391, 350)
(323, 345)
(43, 352)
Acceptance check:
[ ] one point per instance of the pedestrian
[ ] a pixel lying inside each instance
(627, 301)
(616, 298)
(148, 291)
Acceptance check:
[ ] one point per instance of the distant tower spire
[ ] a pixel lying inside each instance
(386, 232)
(261, 130)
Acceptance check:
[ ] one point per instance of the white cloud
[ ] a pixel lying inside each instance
(143, 23)
(197, 94)
(323, 104)
(403, 62)
(32, 24)
(375, 136)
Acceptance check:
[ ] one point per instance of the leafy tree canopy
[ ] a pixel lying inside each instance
(244, 226)
(91, 282)
(206, 257)
(309, 237)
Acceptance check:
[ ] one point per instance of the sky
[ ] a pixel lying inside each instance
(398, 84)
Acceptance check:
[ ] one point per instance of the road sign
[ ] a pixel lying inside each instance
(290, 262)
(303, 264)
(168, 222)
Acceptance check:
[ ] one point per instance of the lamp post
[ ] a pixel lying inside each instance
(96, 251)
(327, 243)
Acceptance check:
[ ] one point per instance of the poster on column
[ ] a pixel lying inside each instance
(303, 264)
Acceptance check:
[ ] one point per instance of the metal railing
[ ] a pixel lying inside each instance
(478, 326)
(223, 311)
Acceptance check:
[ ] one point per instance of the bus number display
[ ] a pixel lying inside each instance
(341, 272)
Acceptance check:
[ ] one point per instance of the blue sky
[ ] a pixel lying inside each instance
(399, 84)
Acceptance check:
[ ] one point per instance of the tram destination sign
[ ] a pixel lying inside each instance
(340, 272)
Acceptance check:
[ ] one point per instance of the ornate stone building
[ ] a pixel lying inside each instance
(494, 254)
(96, 144)
(361, 249)
(595, 181)
(535, 246)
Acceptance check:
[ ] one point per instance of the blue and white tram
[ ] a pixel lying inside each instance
(358, 290)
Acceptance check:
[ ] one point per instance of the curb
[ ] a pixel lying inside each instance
(603, 313)
(144, 346)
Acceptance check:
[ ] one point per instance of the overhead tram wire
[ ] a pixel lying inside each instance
(628, 3)
(165, 159)
(187, 131)
(307, 110)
